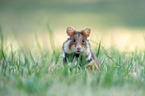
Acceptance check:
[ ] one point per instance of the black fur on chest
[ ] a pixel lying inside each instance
(77, 57)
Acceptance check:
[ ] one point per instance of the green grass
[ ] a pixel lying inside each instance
(40, 73)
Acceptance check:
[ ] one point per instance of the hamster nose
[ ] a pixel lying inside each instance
(78, 48)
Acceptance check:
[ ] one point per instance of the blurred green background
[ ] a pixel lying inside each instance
(117, 22)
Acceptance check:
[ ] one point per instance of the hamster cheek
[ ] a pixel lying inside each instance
(73, 48)
(84, 50)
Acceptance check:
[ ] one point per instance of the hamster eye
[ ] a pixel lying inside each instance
(74, 40)
(83, 40)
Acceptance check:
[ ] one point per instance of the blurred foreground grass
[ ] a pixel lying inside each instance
(41, 73)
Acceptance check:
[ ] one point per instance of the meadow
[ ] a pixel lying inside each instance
(31, 37)
(41, 72)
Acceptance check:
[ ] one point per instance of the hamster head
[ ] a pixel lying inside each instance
(78, 39)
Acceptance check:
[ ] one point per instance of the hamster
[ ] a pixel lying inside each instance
(77, 47)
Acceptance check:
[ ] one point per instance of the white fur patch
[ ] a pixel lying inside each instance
(68, 37)
(89, 57)
(88, 49)
(66, 47)
(88, 38)
(63, 55)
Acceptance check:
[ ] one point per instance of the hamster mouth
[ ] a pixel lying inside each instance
(78, 51)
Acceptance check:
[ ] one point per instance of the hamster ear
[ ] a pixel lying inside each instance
(70, 31)
(86, 32)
